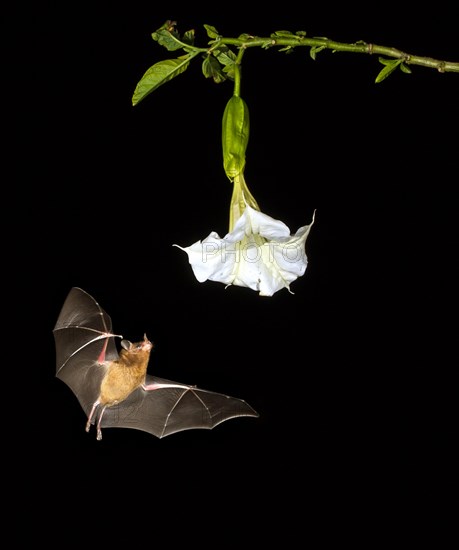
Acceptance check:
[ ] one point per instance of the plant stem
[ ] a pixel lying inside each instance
(237, 73)
(324, 43)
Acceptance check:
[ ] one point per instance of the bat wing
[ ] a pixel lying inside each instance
(174, 407)
(84, 341)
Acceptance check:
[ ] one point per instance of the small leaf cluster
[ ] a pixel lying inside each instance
(389, 67)
(218, 60)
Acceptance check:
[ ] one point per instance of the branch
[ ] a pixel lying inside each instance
(318, 44)
(221, 63)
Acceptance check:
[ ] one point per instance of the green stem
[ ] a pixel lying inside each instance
(237, 80)
(237, 73)
(324, 43)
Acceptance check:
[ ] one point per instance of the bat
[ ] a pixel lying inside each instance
(114, 389)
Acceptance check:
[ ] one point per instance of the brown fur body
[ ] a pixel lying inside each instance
(125, 374)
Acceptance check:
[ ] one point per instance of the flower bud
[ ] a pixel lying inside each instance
(235, 136)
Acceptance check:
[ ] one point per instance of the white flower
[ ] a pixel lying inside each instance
(259, 253)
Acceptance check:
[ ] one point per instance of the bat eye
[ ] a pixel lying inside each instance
(126, 344)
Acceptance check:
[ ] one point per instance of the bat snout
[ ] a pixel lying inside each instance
(146, 344)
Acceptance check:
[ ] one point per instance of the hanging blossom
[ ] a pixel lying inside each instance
(258, 252)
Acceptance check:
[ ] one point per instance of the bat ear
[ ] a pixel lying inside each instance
(126, 344)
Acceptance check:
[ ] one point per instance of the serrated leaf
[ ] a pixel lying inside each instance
(388, 69)
(211, 31)
(188, 37)
(168, 39)
(229, 71)
(159, 74)
(225, 56)
(211, 68)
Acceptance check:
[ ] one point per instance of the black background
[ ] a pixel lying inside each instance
(353, 375)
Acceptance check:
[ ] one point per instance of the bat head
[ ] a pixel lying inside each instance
(143, 346)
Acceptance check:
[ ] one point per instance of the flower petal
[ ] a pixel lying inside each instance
(289, 256)
(264, 225)
(209, 260)
(250, 269)
(259, 254)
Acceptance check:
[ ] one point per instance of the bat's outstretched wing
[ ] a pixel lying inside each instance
(85, 345)
(173, 407)
(84, 341)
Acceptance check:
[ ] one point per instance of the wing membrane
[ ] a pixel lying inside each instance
(85, 344)
(84, 341)
(168, 410)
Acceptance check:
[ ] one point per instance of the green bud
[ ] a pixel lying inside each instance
(235, 136)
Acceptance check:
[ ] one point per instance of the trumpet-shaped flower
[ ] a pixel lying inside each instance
(259, 253)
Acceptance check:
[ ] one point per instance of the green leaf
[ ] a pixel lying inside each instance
(188, 37)
(287, 34)
(165, 38)
(229, 71)
(159, 74)
(385, 61)
(315, 50)
(211, 68)
(225, 56)
(405, 68)
(282, 34)
(211, 31)
(390, 66)
(168, 37)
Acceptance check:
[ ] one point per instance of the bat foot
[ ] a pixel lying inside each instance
(88, 426)
(99, 435)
